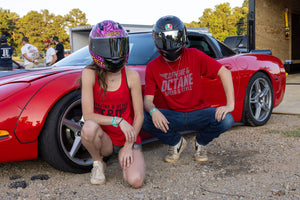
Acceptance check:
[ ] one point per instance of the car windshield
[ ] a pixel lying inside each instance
(142, 51)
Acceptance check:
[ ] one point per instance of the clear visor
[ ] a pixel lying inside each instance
(110, 47)
(169, 40)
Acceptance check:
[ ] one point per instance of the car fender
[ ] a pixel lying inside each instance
(249, 64)
(34, 113)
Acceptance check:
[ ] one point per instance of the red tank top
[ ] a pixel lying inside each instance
(115, 103)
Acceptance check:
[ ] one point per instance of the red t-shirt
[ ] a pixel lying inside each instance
(115, 103)
(179, 83)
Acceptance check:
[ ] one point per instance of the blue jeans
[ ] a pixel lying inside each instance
(202, 121)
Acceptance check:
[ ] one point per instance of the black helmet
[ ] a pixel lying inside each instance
(3, 39)
(169, 34)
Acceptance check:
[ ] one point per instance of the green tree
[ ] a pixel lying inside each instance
(75, 18)
(32, 26)
(8, 26)
(223, 21)
(220, 21)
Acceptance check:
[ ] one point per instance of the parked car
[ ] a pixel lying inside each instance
(41, 108)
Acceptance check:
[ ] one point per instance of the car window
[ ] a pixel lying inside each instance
(142, 51)
(82, 57)
(201, 44)
(225, 50)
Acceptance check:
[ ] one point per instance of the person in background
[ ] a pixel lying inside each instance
(50, 53)
(6, 52)
(112, 105)
(176, 75)
(59, 48)
(30, 54)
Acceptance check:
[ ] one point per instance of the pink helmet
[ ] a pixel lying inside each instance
(109, 45)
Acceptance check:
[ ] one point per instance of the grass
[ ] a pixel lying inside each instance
(292, 133)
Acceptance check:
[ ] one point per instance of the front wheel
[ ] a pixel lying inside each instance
(259, 100)
(60, 141)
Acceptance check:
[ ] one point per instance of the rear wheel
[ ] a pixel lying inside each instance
(60, 141)
(259, 100)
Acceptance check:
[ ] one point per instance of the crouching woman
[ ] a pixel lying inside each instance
(112, 105)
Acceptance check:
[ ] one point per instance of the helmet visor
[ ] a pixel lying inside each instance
(169, 40)
(110, 47)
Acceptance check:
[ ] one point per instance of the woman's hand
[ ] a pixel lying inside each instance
(160, 121)
(126, 156)
(128, 131)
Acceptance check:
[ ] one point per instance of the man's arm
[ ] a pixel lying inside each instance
(226, 79)
(29, 59)
(54, 58)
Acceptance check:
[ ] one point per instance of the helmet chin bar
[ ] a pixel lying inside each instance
(172, 55)
(114, 64)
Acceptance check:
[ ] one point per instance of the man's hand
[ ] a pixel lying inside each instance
(160, 121)
(222, 111)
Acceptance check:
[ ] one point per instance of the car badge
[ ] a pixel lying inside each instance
(169, 27)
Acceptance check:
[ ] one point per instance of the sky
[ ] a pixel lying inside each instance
(122, 11)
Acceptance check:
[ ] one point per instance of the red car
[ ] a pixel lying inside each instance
(41, 108)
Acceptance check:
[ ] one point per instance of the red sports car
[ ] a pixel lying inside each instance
(41, 108)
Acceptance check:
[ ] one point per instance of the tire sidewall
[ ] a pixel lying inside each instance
(50, 146)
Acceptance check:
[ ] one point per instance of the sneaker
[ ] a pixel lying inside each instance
(97, 174)
(200, 152)
(175, 151)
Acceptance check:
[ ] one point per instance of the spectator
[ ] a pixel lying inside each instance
(59, 48)
(30, 54)
(6, 52)
(176, 75)
(50, 53)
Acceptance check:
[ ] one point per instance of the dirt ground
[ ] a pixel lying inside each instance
(244, 163)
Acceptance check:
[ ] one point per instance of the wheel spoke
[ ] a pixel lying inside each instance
(254, 100)
(264, 92)
(257, 111)
(257, 87)
(75, 127)
(76, 146)
(266, 108)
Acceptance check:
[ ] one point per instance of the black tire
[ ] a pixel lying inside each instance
(60, 142)
(259, 99)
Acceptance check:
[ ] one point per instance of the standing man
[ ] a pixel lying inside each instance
(182, 70)
(59, 48)
(6, 52)
(50, 53)
(30, 54)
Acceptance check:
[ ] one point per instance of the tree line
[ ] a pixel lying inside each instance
(222, 21)
(38, 26)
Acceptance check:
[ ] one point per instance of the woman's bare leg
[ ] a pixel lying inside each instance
(135, 174)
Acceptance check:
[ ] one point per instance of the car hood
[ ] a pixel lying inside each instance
(24, 75)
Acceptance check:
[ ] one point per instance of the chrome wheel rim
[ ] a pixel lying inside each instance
(70, 139)
(260, 99)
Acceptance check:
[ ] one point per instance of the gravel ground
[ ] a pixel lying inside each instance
(244, 163)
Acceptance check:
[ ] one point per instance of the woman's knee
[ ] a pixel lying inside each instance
(89, 130)
(136, 180)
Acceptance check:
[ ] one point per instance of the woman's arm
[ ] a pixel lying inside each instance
(134, 83)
